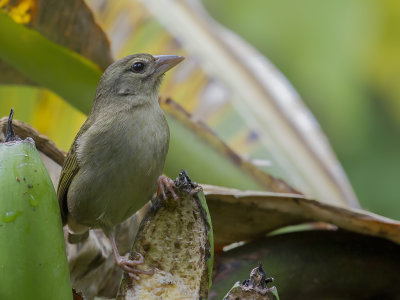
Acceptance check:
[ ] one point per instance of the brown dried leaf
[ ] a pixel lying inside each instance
(247, 215)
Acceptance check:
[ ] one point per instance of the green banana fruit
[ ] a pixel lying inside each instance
(33, 263)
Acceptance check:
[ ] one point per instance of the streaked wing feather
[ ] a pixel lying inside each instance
(68, 172)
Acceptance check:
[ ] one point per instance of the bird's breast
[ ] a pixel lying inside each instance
(120, 162)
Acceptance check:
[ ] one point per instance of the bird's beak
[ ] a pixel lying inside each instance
(166, 62)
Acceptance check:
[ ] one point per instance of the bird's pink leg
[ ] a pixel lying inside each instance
(127, 264)
(166, 184)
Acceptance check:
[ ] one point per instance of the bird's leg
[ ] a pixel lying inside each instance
(166, 184)
(127, 264)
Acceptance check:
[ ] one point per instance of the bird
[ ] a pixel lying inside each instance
(114, 165)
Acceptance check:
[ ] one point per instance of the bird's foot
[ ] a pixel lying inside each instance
(128, 265)
(166, 184)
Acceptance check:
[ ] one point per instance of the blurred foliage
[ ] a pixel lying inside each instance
(52, 117)
(344, 59)
(319, 177)
(75, 78)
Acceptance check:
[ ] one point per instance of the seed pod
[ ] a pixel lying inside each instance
(175, 238)
(33, 264)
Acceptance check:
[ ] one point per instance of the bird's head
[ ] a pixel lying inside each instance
(136, 75)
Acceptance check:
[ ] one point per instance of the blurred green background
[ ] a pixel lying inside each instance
(343, 57)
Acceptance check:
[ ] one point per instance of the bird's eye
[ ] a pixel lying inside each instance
(137, 67)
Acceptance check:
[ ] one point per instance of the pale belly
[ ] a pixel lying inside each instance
(124, 175)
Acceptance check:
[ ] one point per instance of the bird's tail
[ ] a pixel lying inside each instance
(75, 238)
(77, 233)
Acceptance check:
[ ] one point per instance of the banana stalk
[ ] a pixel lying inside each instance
(33, 262)
(176, 240)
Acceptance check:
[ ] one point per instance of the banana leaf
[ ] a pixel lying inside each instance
(235, 90)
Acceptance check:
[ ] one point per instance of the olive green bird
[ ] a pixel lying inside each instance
(116, 160)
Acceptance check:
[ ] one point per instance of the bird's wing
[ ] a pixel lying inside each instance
(68, 172)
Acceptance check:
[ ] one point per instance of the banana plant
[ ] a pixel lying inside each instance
(272, 159)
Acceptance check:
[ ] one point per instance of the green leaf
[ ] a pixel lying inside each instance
(69, 23)
(48, 64)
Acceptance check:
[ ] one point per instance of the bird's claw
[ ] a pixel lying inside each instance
(128, 266)
(166, 183)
